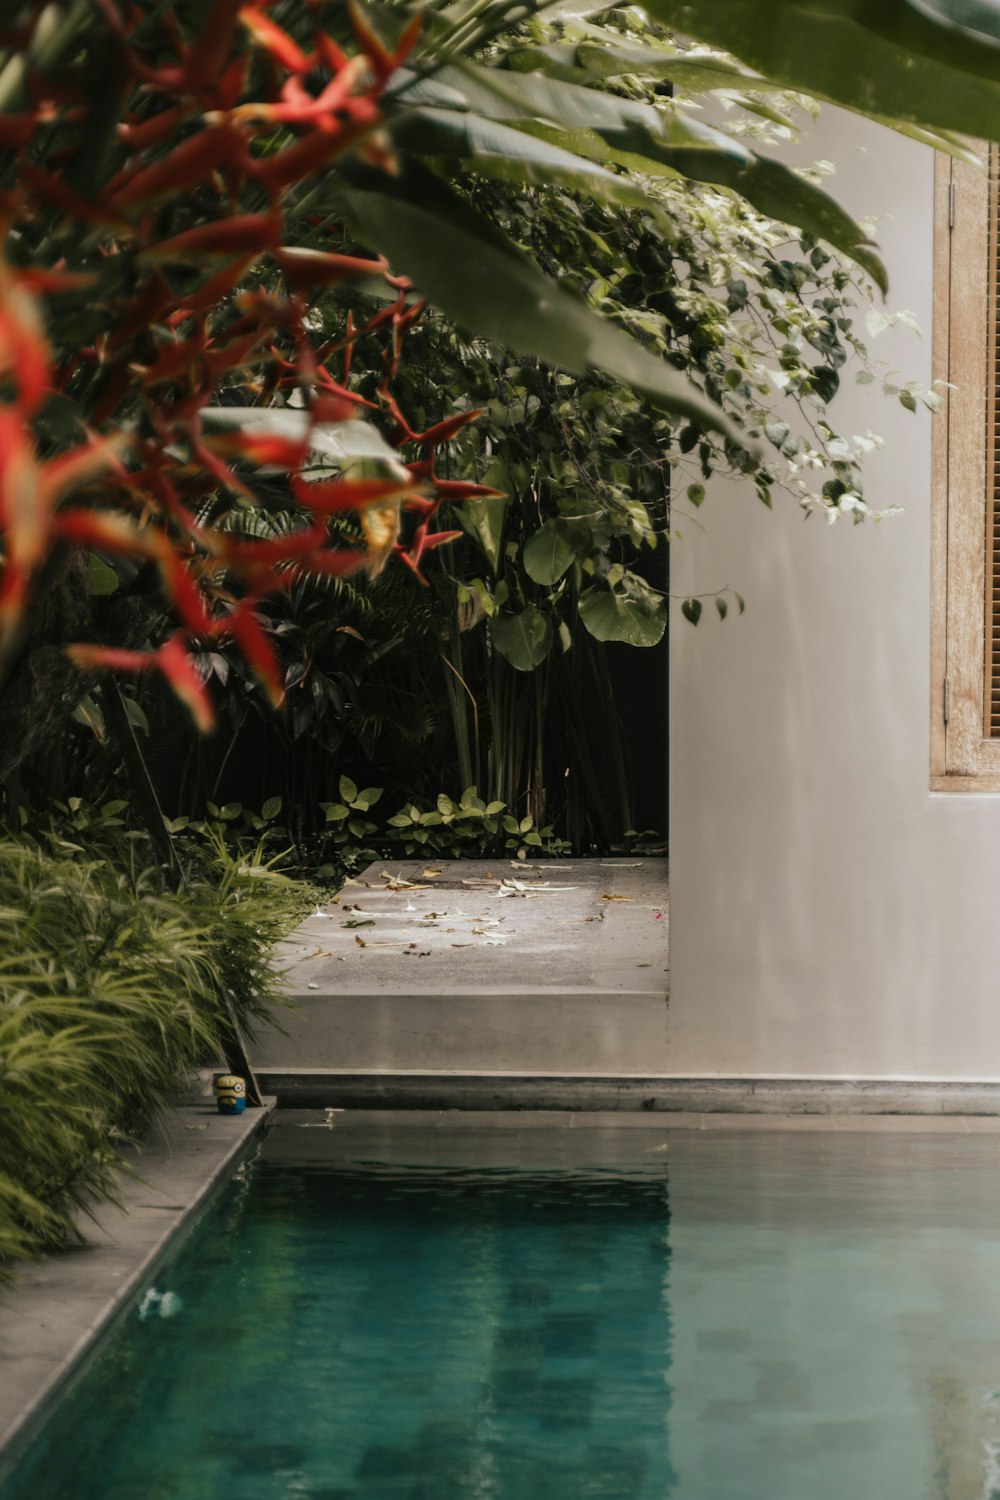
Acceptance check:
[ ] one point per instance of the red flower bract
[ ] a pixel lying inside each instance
(168, 283)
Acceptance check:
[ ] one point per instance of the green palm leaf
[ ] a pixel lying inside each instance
(652, 140)
(504, 154)
(884, 58)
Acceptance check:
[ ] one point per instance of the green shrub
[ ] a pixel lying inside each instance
(466, 829)
(357, 831)
(469, 828)
(113, 987)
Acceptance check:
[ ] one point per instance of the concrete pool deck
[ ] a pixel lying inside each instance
(59, 1306)
(481, 985)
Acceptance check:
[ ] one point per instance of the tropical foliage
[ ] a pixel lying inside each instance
(925, 66)
(223, 405)
(112, 987)
(177, 188)
(183, 192)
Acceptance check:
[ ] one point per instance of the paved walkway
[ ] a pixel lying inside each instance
(482, 966)
(58, 1306)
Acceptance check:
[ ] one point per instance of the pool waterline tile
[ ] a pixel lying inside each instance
(508, 1120)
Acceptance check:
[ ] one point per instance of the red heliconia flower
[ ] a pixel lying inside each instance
(142, 134)
(175, 361)
(24, 515)
(51, 280)
(184, 593)
(224, 477)
(111, 658)
(406, 433)
(108, 530)
(56, 193)
(263, 566)
(334, 404)
(192, 162)
(338, 562)
(383, 62)
(418, 506)
(328, 54)
(225, 237)
(220, 359)
(260, 448)
(297, 106)
(309, 268)
(24, 349)
(148, 306)
(16, 130)
(247, 631)
(443, 432)
(195, 167)
(314, 151)
(214, 41)
(257, 560)
(153, 480)
(115, 533)
(209, 294)
(423, 541)
(177, 667)
(172, 659)
(335, 496)
(200, 65)
(231, 82)
(274, 40)
(28, 493)
(458, 489)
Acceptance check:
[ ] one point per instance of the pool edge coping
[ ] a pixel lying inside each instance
(652, 1094)
(184, 1163)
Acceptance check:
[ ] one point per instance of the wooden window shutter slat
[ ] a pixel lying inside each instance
(991, 695)
(965, 594)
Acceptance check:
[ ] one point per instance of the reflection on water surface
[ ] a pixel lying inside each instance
(630, 1314)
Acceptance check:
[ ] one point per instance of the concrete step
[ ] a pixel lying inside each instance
(482, 966)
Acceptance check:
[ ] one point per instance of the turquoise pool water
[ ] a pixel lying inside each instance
(641, 1317)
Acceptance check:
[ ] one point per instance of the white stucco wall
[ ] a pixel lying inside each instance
(830, 916)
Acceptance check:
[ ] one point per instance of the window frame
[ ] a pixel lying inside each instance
(963, 756)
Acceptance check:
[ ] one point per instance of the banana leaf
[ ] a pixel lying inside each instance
(480, 280)
(660, 139)
(931, 64)
(504, 154)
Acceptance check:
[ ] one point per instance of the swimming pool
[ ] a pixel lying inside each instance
(612, 1314)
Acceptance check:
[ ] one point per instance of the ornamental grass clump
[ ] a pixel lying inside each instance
(112, 988)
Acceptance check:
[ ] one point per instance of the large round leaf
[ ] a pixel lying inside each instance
(613, 617)
(484, 520)
(547, 554)
(524, 638)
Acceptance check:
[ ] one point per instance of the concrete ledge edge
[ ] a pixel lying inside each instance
(318, 1088)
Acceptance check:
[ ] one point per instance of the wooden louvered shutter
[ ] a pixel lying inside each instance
(991, 694)
(965, 703)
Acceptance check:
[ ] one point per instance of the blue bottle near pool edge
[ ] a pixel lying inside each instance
(230, 1094)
